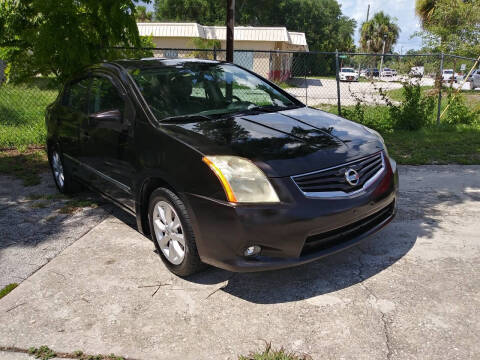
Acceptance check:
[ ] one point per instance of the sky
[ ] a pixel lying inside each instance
(403, 10)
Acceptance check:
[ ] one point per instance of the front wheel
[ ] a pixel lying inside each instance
(61, 174)
(172, 233)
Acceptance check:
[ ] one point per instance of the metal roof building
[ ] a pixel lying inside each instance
(179, 35)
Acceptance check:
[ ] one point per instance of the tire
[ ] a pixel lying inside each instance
(167, 235)
(61, 174)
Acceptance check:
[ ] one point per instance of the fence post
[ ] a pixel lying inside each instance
(439, 107)
(305, 78)
(214, 53)
(337, 70)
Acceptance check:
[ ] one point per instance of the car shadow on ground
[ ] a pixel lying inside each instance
(417, 217)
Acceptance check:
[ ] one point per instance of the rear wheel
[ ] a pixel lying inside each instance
(172, 233)
(61, 174)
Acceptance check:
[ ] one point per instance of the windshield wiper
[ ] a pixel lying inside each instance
(269, 108)
(181, 118)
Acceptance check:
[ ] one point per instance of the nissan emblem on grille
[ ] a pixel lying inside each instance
(352, 177)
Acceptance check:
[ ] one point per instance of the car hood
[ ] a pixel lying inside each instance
(282, 143)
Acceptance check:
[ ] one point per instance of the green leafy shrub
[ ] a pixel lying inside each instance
(458, 112)
(414, 111)
(374, 117)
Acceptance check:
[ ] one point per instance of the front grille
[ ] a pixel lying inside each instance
(341, 235)
(333, 179)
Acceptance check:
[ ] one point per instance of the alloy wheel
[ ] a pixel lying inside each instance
(58, 169)
(169, 232)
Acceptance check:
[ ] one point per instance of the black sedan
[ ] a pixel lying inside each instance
(219, 165)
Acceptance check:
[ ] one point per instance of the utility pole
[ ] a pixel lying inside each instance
(230, 28)
(368, 11)
(383, 54)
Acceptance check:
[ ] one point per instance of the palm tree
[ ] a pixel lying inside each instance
(374, 32)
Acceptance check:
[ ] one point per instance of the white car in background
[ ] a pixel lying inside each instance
(475, 79)
(387, 72)
(348, 74)
(447, 74)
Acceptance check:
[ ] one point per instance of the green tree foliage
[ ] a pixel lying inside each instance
(450, 26)
(373, 32)
(142, 15)
(325, 26)
(45, 37)
(425, 10)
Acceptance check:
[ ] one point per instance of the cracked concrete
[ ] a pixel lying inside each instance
(411, 291)
(33, 230)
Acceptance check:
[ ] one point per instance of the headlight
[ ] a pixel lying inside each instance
(241, 179)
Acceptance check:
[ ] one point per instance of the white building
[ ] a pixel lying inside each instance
(180, 36)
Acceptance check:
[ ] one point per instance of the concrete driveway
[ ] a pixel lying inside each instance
(410, 292)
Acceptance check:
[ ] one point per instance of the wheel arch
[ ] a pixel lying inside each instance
(145, 190)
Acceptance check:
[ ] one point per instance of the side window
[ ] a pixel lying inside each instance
(104, 96)
(76, 96)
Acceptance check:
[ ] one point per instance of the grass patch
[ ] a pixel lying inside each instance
(471, 97)
(40, 205)
(45, 353)
(458, 144)
(285, 85)
(445, 144)
(22, 113)
(26, 165)
(56, 196)
(74, 205)
(7, 289)
(270, 354)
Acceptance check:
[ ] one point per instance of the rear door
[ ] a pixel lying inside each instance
(108, 149)
(71, 116)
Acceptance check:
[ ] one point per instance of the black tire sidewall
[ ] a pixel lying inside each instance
(69, 185)
(191, 262)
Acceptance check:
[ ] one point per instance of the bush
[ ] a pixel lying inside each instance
(374, 117)
(414, 111)
(458, 112)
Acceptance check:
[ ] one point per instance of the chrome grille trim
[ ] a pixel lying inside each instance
(342, 194)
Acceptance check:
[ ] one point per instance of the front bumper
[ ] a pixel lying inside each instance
(293, 232)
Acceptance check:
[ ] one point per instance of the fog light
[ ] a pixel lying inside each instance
(252, 250)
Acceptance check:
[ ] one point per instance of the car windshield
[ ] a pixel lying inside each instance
(448, 71)
(206, 90)
(348, 70)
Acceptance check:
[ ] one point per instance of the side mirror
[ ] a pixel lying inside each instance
(111, 115)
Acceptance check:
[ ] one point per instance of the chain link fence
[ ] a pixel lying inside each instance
(328, 80)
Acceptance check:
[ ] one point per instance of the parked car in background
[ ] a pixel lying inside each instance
(348, 74)
(394, 72)
(417, 71)
(448, 74)
(474, 72)
(372, 73)
(219, 165)
(386, 72)
(475, 79)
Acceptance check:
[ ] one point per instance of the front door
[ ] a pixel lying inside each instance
(72, 115)
(108, 150)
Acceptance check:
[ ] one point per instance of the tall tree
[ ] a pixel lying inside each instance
(425, 10)
(381, 27)
(325, 26)
(44, 37)
(142, 15)
(451, 25)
